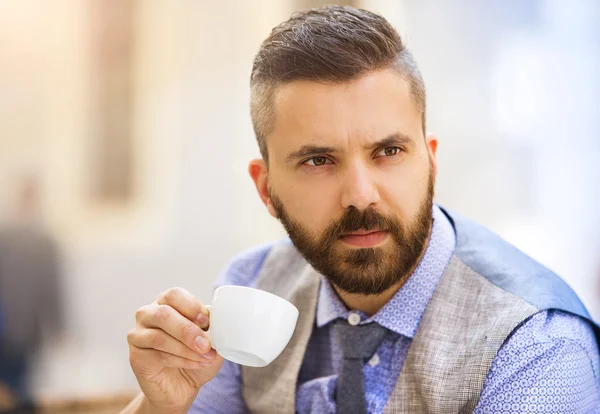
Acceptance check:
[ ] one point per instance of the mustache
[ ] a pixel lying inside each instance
(354, 220)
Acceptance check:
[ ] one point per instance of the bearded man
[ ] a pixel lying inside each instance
(405, 307)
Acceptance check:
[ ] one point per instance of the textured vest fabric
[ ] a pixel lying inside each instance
(482, 296)
(272, 389)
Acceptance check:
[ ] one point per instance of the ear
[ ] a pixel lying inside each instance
(432, 142)
(260, 175)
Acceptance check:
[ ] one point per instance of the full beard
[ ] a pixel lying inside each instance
(365, 271)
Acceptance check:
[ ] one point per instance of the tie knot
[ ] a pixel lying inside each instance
(360, 341)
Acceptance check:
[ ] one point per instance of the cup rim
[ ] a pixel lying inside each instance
(260, 290)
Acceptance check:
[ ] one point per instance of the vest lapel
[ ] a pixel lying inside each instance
(272, 389)
(464, 325)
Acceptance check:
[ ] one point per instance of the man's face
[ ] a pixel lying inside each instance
(351, 178)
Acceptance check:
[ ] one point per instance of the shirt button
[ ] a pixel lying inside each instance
(354, 319)
(374, 360)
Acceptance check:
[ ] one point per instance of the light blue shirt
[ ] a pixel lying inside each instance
(550, 361)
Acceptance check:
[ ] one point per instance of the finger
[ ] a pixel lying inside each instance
(186, 304)
(162, 341)
(175, 324)
(164, 359)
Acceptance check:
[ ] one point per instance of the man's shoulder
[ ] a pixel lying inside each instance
(552, 355)
(510, 269)
(550, 328)
(244, 268)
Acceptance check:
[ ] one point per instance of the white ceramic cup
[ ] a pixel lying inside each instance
(250, 326)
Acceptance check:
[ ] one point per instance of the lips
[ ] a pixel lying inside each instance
(361, 232)
(364, 238)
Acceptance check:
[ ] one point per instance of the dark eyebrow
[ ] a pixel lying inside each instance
(308, 150)
(397, 138)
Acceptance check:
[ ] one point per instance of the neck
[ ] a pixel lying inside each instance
(370, 304)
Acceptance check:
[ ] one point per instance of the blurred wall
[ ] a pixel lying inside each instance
(513, 95)
(194, 206)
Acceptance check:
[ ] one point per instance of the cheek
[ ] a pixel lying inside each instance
(313, 204)
(404, 191)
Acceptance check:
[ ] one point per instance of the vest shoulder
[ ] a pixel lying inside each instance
(243, 269)
(553, 328)
(511, 269)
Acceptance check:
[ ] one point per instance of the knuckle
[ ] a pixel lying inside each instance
(140, 313)
(131, 336)
(161, 296)
(189, 331)
(157, 340)
(172, 294)
(162, 313)
(176, 291)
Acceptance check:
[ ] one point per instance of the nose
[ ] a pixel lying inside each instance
(359, 189)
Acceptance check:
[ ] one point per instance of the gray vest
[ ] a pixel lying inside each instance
(466, 322)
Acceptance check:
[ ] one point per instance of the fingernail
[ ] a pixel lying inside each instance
(203, 364)
(201, 343)
(209, 356)
(202, 319)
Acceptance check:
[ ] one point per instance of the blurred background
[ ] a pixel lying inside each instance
(125, 136)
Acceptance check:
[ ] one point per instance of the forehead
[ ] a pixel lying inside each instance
(365, 109)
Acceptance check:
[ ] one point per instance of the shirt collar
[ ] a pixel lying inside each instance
(403, 312)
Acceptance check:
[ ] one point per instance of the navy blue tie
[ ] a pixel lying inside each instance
(358, 344)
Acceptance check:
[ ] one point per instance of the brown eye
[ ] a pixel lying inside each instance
(317, 161)
(391, 151)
